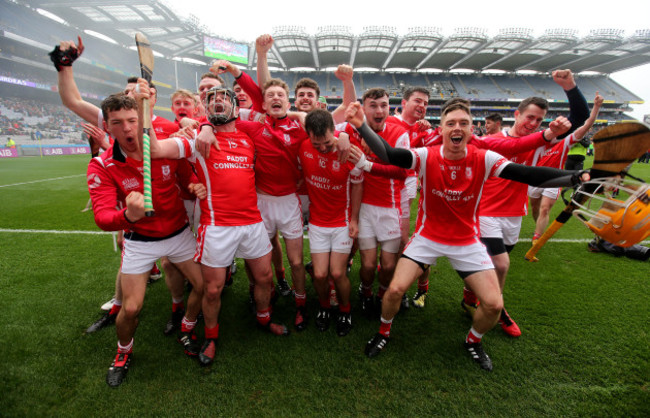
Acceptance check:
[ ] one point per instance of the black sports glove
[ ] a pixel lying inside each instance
(63, 58)
(576, 178)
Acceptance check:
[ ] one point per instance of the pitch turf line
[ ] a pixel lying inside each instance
(40, 181)
(51, 231)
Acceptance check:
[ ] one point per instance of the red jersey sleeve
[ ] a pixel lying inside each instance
(104, 195)
(253, 90)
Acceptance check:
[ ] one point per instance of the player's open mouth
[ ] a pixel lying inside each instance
(276, 106)
(182, 114)
(129, 139)
(457, 139)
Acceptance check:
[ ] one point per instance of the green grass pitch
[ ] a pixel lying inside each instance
(583, 352)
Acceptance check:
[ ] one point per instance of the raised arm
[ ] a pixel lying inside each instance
(578, 107)
(345, 73)
(244, 80)
(63, 56)
(397, 156)
(582, 131)
(263, 44)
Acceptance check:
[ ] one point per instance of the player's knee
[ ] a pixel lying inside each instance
(131, 310)
(492, 305)
(337, 275)
(212, 293)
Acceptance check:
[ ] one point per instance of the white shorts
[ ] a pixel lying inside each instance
(550, 192)
(281, 213)
(378, 224)
(304, 206)
(139, 256)
(217, 246)
(325, 240)
(408, 192)
(504, 227)
(472, 257)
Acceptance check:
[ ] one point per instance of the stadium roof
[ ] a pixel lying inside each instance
(379, 47)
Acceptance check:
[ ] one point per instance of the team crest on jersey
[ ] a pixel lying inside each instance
(468, 172)
(336, 166)
(131, 184)
(287, 139)
(166, 170)
(94, 181)
(322, 162)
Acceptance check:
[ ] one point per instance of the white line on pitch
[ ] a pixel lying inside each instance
(40, 181)
(49, 231)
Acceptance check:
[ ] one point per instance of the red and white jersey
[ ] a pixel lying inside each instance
(381, 191)
(505, 198)
(163, 127)
(451, 191)
(276, 165)
(328, 185)
(229, 177)
(250, 115)
(555, 156)
(112, 176)
(417, 136)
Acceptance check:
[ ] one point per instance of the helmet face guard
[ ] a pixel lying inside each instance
(221, 105)
(618, 210)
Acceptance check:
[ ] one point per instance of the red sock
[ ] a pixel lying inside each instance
(187, 326)
(384, 327)
(469, 297)
(301, 299)
(126, 348)
(264, 316)
(279, 274)
(473, 336)
(381, 291)
(212, 333)
(424, 286)
(344, 308)
(177, 306)
(115, 309)
(536, 235)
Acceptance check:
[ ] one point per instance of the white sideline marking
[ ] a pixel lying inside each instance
(50, 231)
(40, 181)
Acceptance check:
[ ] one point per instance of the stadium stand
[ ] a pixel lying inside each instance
(27, 75)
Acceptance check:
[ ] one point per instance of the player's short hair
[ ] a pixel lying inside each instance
(374, 93)
(307, 83)
(319, 122)
(216, 77)
(275, 82)
(409, 92)
(184, 93)
(540, 102)
(135, 80)
(494, 117)
(118, 101)
(457, 103)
